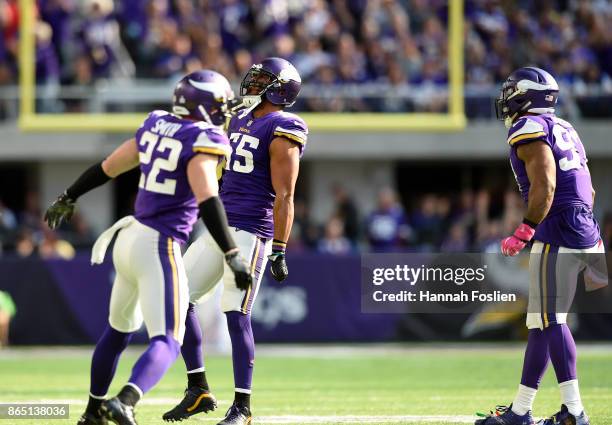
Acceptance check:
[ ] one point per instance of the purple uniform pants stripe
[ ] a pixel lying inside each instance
(171, 285)
(257, 260)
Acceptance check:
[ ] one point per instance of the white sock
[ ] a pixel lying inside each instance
(523, 401)
(570, 396)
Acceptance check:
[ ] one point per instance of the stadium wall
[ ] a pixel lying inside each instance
(361, 162)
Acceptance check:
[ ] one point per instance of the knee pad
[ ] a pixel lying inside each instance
(172, 344)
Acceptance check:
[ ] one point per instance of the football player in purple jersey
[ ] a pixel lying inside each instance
(550, 167)
(257, 190)
(178, 154)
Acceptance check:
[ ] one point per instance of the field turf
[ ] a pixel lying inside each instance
(384, 385)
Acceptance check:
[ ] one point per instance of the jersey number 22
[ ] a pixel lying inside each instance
(152, 142)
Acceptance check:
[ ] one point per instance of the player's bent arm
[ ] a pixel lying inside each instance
(202, 176)
(284, 169)
(123, 159)
(541, 171)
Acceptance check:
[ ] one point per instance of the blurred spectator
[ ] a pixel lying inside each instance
(402, 44)
(7, 311)
(100, 40)
(25, 245)
(52, 247)
(8, 225)
(58, 13)
(304, 233)
(387, 228)
(426, 223)
(333, 241)
(489, 236)
(47, 68)
(457, 239)
(346, 211)
(31, 216)
(8, 221)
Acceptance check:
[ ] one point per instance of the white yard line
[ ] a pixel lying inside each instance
(327, 351)
(285, 419)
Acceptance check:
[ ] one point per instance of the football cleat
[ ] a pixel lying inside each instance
(504, 415)
(117, 412)
(88, 418)
(196, 400)
(237, 415)
(564, 417)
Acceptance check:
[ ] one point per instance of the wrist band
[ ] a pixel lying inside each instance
(529, 223)
(279, 246)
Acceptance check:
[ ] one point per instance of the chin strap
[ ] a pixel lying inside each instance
(251, 102)
(205, 114)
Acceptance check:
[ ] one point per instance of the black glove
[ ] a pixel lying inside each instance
(240, 268)
(59, 211)
(278, 266)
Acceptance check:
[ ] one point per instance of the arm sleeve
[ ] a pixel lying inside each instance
(91, 178)
(212, 143)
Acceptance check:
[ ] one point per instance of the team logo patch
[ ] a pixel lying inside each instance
(249, 123)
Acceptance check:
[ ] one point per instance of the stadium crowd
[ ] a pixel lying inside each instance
(470, 221)
(341, 43)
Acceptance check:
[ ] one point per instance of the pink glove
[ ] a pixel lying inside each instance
(514, 244)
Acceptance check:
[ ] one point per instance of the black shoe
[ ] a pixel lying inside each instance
(88, 418)
(237, 415)
(196, 400)
(117, 412)
(505, 416)
(564, 417)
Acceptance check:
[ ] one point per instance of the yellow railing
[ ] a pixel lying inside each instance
(454, 120)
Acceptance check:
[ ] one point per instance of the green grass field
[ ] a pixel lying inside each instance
(324, 385)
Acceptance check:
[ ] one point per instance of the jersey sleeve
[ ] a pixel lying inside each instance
(526, 130)
(212, 142)
(292, 128)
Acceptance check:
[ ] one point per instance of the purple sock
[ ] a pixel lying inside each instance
(154, 362)
(536, 359)
(105, 359)
(562, 350)
(192, 343)
(243, 348)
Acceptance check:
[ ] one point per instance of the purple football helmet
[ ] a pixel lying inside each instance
(203, 96)
(526, 90)
(275, 78)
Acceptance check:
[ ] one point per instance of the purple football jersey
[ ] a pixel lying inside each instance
(246, 188)
(166, 144)
(570, 222)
